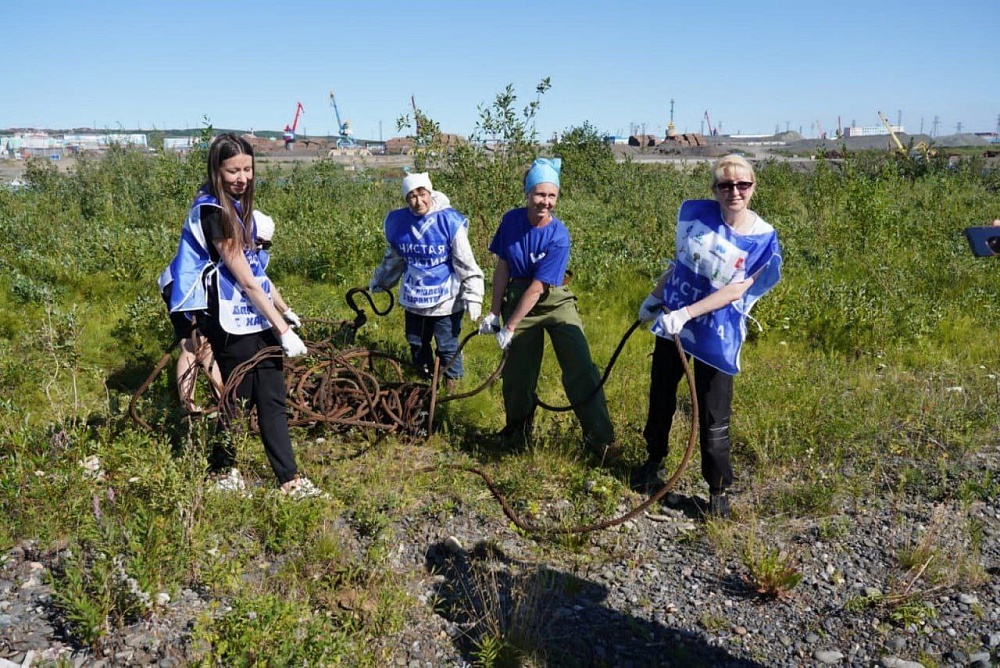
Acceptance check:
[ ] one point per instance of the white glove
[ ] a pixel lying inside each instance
(673, 322)
(292, 344)
(292, 318)
(490, 324)
(504, 337)
(651, 307)
(374, 286)
(473, 309)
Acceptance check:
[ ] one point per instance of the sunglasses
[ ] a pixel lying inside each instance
(742, 186)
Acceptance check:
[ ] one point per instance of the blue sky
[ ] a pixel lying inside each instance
(753, 66)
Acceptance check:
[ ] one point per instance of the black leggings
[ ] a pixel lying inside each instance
(264, 387)
(714, 390)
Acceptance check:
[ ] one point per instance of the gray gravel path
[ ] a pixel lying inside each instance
(663, 590)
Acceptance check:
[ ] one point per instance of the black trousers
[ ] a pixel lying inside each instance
(264, 387)
(714, 391)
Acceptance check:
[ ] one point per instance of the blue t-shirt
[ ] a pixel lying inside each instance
(539, 253)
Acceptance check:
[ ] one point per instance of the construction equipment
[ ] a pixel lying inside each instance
(711, 130)
(892, 133)
(344, 131)
(819, 128)
(289, 134)
(918, 151)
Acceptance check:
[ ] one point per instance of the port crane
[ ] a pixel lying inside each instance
(711, 130)
(289, 134)
(344, 131)
(819, 127)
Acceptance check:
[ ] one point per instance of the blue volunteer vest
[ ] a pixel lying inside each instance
(709, 255)
(192, 269)
(425, 243)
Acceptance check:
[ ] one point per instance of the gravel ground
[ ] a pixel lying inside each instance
(661, 590)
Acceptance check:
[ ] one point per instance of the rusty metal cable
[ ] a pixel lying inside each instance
(533, 528)
(604, 378)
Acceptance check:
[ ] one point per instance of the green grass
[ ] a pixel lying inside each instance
(878, 347)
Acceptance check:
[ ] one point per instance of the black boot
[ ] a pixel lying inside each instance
(646, 478)
(718, 506)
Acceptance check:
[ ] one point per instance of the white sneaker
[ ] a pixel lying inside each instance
(231, 482)
(303, 488)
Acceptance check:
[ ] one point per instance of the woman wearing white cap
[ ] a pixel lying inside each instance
(428, 246)
(532, 248)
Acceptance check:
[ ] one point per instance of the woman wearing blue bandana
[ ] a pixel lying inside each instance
(219, 271)
(532, 248)
(726, 258)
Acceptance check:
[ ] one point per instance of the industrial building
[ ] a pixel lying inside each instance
(44, 145)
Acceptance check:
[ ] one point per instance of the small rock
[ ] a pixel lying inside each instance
(968, 599)
(896, 662)
(811, 637)
(828, 656)
(454, 545)
(980, 659)
(957, 656)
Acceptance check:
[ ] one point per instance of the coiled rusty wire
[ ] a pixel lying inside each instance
(356, 387)
(337, 387)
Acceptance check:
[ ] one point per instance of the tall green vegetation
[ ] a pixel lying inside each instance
(878, 343)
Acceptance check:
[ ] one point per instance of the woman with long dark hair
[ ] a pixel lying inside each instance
(218, 271)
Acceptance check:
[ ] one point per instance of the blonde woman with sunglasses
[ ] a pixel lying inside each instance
(726, 258)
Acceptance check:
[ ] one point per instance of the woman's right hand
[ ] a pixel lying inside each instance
(490, 324)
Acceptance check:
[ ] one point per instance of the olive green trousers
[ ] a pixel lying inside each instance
(555, 313)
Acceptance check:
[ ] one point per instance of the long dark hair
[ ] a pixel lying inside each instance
(224, 147)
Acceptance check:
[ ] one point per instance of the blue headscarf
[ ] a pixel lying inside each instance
(543, 170)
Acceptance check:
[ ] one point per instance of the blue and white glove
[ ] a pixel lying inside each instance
(651, 307)
(374, 286)
(504, 337)
(489, 324)
(292, 318)
(292, 344)
(673, 322)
